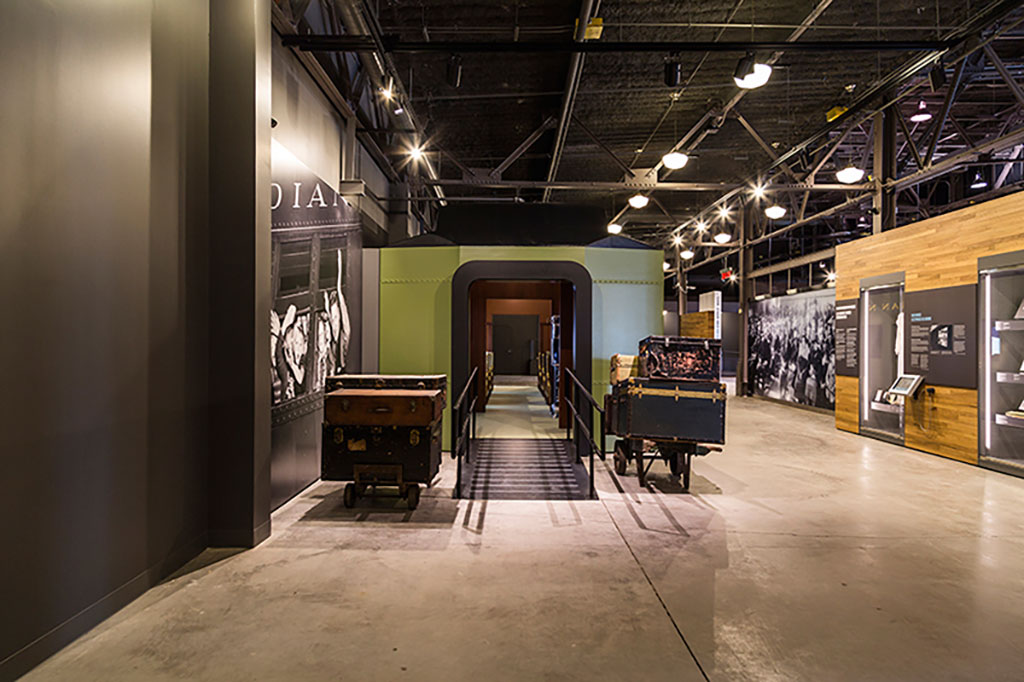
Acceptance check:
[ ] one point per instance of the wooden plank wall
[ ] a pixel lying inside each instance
(698, 325)
(934, 253)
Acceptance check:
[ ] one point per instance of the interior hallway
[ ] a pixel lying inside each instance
(517, 410)
(804, 553)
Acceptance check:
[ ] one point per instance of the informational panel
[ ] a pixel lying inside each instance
(847, 336)
(941, 336)
(792, 348)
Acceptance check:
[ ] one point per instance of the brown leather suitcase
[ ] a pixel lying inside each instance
(382, 407)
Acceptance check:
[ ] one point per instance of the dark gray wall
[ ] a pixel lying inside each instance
(103, 288)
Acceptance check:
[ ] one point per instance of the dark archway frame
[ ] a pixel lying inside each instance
(568, 271)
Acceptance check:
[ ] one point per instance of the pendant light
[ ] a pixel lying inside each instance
(979, 182)
(674, 160)
(750, 73)
(666, 266)
(723, 237)
(686, 254)
(614, 228)
(775, 211)
(922, 113)
(638, 201)
(850, 175)
(677, 240)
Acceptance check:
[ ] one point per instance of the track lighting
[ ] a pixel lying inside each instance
(614, 228)
(388, 91)
(979, 182)
(723, 237)
(454, 73)
(758, 191)
(677, 240)
(638, 201)
(775, 211)
(673, 73)
(702, 226)
(922, 113)
(674, 160)
(416, 153)
(750, 73)
(686, 254)
(723, 212)
(850, 175)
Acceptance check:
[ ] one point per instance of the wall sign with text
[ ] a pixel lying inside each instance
(848, 337)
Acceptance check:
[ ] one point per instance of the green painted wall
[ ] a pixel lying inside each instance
(415, 303)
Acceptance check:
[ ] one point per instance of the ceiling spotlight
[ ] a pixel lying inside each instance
(750, 73)
(673, 73)
(979, 182)
(665, 265)
(388, 91)
(723, 211)
(702, 226)
(638, 201)
(677, 240)
(614, 228)
(830, 276)
(733, 277)
(775, 211)
(675, 160)
(454, 73)
(416, 153)
(723, 237)
(850, 175)
(922, 113)
(686, 254)
(758, 191)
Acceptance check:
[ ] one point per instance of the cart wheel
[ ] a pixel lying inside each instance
(349, 498)
(413, 496)
(620, 458)
(675, 463)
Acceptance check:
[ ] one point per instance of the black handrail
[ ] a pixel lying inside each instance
(574, 391)
(464, 427)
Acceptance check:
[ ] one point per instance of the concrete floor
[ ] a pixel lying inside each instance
(804, 553)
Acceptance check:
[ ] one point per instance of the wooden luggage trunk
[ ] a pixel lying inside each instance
(420, 382)
(667, 410)
(416, 449)
(679, 357)
(382, 407)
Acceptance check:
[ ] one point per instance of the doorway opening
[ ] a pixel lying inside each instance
(520, 325)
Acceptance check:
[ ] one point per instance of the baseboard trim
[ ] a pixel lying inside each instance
(46, 645)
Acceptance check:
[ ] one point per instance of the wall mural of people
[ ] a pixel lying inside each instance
(792, 348)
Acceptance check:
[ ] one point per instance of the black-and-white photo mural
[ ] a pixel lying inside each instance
(314, 326)
(792, 348)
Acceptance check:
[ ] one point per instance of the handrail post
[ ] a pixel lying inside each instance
(593, 493)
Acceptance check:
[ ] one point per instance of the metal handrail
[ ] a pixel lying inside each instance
(571, 398)
(463, 428)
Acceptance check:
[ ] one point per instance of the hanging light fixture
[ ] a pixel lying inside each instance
(751, 73)
(758, 191)
(723, 212)
(638, 201)
(702, 226)
(723, 237)
(677, 240)
(665, 265)
(614, 228)
(674, 160)
(686, 254)
(922, 114)
(388, 91)
(775, 211)
(673, 73)
(850, 174)
(416, 153)
(979, 182)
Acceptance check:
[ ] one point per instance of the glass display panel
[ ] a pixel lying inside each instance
(881, 355)
(1002, 351)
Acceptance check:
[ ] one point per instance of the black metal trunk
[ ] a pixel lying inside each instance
(417, 449)
(682, 358)
(667, 409)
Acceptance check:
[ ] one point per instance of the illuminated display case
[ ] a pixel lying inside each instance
(881, 361)
(1001, 398)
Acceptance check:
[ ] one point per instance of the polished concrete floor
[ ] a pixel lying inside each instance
(803, 553)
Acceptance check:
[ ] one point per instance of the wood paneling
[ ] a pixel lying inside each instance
(847, 398)
(934, 253)
(938, 252)
(944, 423)
(698, 325)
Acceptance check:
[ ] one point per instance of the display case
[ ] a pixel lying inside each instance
(1001, 399)
(881, 355)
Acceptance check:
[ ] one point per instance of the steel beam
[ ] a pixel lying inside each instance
(764, 145)
(1007, 76)
(317, 43)
(605, 148)
(587, 185)
(947, 104)
(824, 254)
(521, 149)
